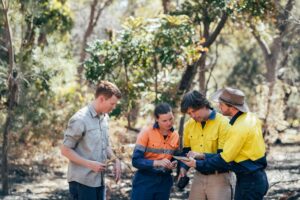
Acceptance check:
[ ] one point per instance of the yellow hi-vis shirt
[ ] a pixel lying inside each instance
(209, 139)
(245, 140)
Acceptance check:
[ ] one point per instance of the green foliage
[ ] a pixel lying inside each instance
(49, 15)
(208, 11)
(143, 52)
(205, 10)
(260, 8)
(41, 54)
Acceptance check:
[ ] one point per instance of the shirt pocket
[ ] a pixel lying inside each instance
(211, 144)
(171, 148)
(155, 145)
(194, 141)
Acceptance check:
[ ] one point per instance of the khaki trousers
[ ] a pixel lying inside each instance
(211, 187)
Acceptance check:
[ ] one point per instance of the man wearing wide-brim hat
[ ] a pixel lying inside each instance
(244, 150)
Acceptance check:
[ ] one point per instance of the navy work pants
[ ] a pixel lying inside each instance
(82, 192)
(151, 186)
(252, 186)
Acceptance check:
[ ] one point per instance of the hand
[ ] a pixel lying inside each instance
(190, 163)
(182, 173)
(173, 165)
(163, 163)
(196, 155)
(117, 170)
(96, 166)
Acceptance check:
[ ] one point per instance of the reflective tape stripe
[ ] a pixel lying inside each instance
(160, 151)
(140, 147)
(154, 150)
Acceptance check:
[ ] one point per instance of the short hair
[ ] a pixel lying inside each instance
(162, 108)
(194, 100)
(107, 89)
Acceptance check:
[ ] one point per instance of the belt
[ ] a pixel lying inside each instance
(214, 172)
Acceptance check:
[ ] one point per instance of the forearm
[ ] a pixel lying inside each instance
(110, 153)
(212, 164)
(74, 157)
(140, 162)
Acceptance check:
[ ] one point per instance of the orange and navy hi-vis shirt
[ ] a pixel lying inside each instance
(151, 145)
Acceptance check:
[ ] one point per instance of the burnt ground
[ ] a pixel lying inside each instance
(44, 177)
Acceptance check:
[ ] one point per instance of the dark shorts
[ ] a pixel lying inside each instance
(82, 192)
(252, 186)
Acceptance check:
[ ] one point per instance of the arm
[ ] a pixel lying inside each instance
(235, 140)
(72, 137)
(223, 133)
(223, 160)
(74, 157)
(117, 165)
(237, 137)
(208, 165)
(138, 159)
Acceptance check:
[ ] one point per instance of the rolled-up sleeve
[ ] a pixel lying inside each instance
(73, 133)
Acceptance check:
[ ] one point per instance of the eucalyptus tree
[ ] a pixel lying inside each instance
(145, 59)
(29, 28)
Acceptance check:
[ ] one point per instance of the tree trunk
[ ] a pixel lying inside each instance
(189, 74)
(93, 20)
(166, 4)
(12, 92)
(202, 69)
(156, 79)
(272, 54)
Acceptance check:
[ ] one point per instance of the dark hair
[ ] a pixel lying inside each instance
(162, 108)
(194, 100)
(107, 89)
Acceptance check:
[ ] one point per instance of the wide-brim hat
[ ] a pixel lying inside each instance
(233, 97)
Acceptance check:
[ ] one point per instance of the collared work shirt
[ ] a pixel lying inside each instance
(246, 140)
(207, 139)
(244, 150)
(151, 145)
(87, 135)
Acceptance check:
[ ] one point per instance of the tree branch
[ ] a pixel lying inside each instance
(9, 39)
(89, 30)
(284, 16)
(5, 7)
(106, 4)
(212, 68)
(261, 42)
(217, 31)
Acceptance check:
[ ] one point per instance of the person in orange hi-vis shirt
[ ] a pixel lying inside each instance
(152, 156)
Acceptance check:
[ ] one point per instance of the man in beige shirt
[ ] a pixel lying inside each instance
(86, 145)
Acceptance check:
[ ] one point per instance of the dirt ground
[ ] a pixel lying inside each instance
(43, 176)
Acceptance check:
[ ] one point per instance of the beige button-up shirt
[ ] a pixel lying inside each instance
(87, 135)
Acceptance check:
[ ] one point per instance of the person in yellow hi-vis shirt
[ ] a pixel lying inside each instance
(244, 150)
(205, 132)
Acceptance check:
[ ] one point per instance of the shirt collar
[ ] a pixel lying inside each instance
(93, 111)
(234, 118)
(212, 115)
